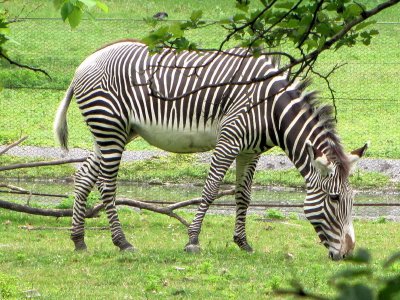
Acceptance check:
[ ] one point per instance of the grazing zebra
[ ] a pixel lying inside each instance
(191, 102)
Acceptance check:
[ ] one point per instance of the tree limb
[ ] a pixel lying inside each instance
(42, 163)
(10, 61)
(13, 145)
(94, 212)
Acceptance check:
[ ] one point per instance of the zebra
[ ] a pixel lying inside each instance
(188, 102)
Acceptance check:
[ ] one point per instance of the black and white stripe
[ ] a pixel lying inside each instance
(191, 102)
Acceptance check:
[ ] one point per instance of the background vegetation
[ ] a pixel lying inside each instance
(366, 87)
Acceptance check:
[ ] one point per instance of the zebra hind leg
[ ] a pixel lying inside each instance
(245, 168)
(85, 179)
(107, 185)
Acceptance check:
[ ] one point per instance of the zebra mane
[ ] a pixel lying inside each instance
(325, 116)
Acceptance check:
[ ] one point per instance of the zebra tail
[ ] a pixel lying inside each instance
(60, 121)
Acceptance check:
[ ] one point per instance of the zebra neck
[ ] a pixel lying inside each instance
(293, 135)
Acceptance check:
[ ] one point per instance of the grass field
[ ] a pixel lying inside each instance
(43, 261)
(371, 72)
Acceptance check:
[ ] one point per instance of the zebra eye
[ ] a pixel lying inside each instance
(334, 197)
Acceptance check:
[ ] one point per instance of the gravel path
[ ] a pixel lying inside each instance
(390, 167)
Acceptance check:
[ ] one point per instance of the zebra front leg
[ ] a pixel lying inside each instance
(107, 185)
(85, 179)
(221, 160)
(245, 168)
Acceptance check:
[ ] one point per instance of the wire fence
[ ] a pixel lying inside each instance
(367, 89)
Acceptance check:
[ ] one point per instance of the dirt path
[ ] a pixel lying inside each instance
(389, 167)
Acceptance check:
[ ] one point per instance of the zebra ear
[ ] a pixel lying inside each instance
(319, 160)
(355, 155)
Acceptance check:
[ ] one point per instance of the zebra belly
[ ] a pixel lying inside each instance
(178, 140)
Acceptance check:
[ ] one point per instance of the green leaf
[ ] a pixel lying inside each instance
(102, 6)
(352, 10)
(323, 29)
(150, 21)
(181, 44)
(196, 15)
(89, 3)
(355, 292)
(239, 17)
(225, 21)
(57, 3)
(364, 24)
(352, 273)
(331, 6)
(311, 44)
(374, 32)
(392, 259)
(243, 6)
(5, 31)
(361, 256)
(66, 10)
(75, 17)
(284, 4)
(176, 30)
(391, 289)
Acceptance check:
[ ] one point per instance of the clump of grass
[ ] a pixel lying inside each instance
(92, 199)
(369, 179)
(380, 220)
(8, 287)
(274, 214)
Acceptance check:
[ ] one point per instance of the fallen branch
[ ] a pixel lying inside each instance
(14, 189)
(20, 191)
(13, 145)
(94, 212)
(48, 212)
(42, 163)
(30, 227)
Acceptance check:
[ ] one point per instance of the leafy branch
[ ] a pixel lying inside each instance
(359, 282)
(307, 28)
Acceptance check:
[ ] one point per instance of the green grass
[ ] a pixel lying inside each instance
(44, 261)
(182, 169)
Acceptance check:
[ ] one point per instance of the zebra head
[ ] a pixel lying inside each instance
(329, 200)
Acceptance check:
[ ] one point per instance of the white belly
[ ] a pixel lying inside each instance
(178, 140)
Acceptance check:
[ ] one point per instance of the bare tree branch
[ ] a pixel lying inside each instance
(307, 33)
(13, 145)
(10, 61)
(15, 189)
(42, 163)
(94, 212)
(328, 83)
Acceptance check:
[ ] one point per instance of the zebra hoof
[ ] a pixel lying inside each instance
(128, 249)
(81, 247)
(80, 244)
(192, 248)
(242, 243)
(247, 248)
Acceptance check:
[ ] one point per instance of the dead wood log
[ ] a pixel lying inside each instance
(13, 145)
(94, 212)
(42, 163)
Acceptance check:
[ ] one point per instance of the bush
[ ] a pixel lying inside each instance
(360, 281)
